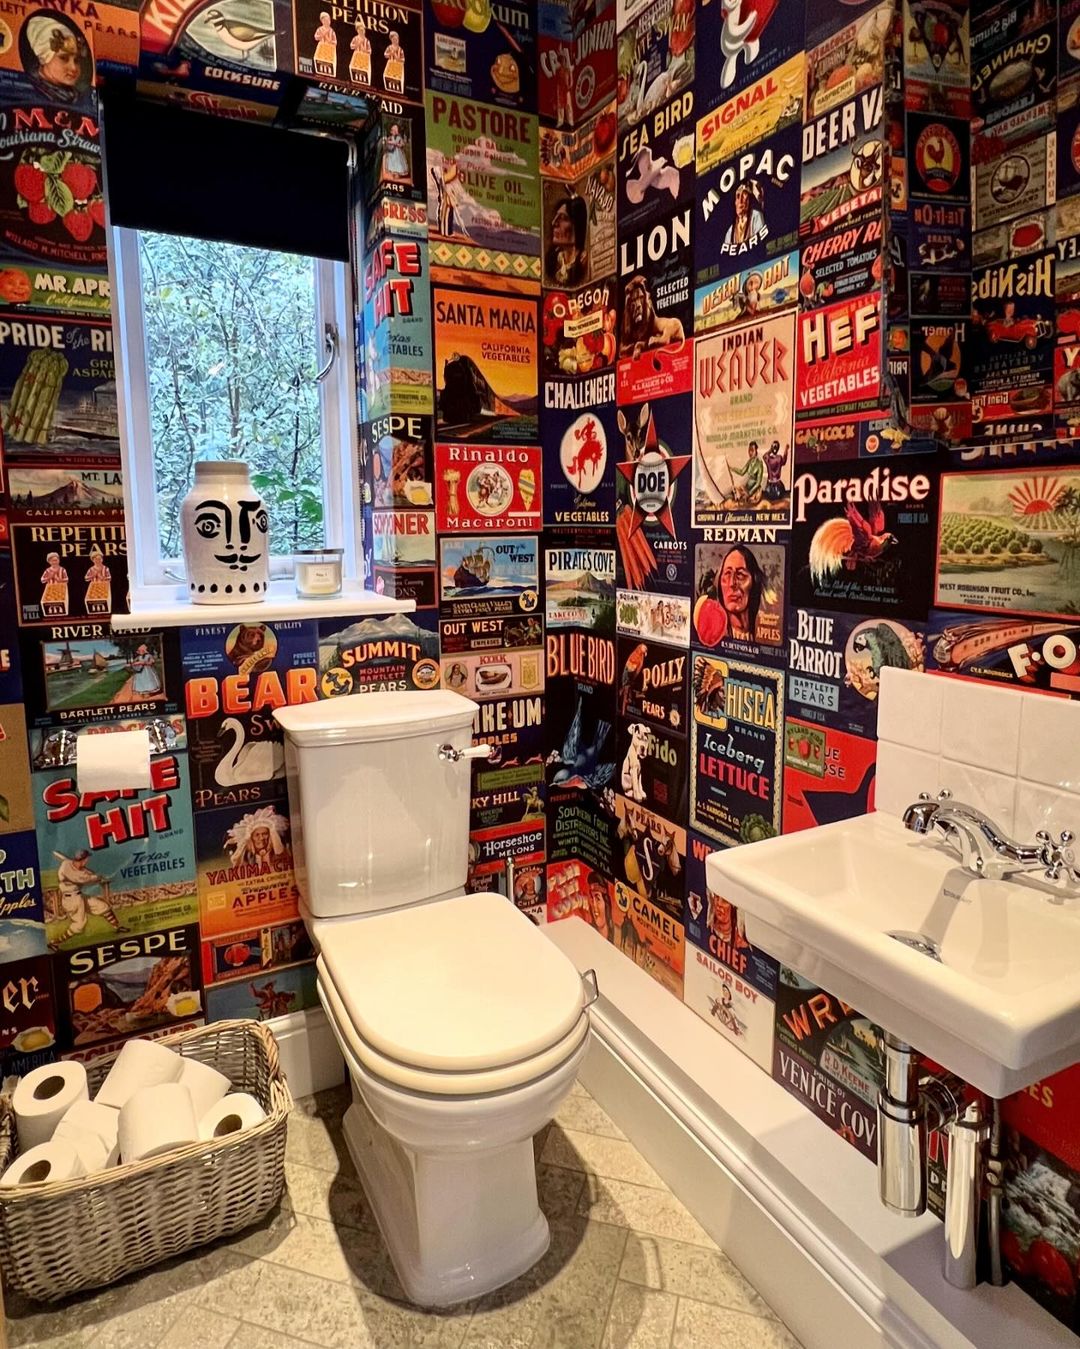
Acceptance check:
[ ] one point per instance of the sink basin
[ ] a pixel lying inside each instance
(980, 975)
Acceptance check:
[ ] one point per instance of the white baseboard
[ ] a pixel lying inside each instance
(792, 1204)
(309, 1053)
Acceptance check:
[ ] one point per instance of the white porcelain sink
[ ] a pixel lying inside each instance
(1001, 1004)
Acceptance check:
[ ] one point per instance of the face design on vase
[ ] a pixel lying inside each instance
(238, 531)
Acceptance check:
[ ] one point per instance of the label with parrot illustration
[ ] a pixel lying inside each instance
(743, 390)
(835, 663)
(480, 50)
(131, 985)
(57, 386)
(652, 684)
(235, 677)
(487, 487)
(244, 855)
(738, 712)
(52, 207)
(114, 862)
(828, 775)
(863, 538)
(653, 857)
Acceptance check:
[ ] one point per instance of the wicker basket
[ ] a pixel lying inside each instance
(58, 1238)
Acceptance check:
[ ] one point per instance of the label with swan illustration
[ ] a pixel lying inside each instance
(235, 676)
(113, 863)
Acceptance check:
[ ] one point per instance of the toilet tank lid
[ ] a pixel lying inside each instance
(375, 716)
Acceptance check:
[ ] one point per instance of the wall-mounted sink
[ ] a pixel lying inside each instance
(979, 974)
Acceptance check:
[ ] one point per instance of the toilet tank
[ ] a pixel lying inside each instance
(379, 820)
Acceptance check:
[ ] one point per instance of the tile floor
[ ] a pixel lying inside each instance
(628, 1268)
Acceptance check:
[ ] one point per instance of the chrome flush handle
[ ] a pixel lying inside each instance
(448, 754)
(592, 987)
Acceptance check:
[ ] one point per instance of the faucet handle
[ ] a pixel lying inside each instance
(943, 795)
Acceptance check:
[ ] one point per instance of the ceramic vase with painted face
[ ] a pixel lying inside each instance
(226, 536)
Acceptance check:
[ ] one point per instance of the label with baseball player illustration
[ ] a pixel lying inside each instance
(369, 46)
(265, 996)
(490, 577)
(1017, 652)
(245, 868)
(835, 663)
(738, 711)
(65, 570)
(244, 954)
(652, 515)
(772, 102)
(80, 672)
(827, 1056)
(656, 169)
(115, 862)
(748, 42)
(748, 208)
(655, 58)
(22, 913)
(656, 309)
(843, 164)
(579, 455)
(483, 51)
(377, 655)
(649, 936)
(743, 424)
(487, 487)
(652, 857)
(57, 386)
(749, 292)
(579, 582)
(739, 599)
(235, 677)
(653, 768)
(652, 684)
(730, 1004)
(863, 538)
(828, 775)
(840, 357)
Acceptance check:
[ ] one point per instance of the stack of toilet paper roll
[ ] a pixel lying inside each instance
(152, 1101)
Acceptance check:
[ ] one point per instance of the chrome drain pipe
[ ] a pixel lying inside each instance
(908, 1106)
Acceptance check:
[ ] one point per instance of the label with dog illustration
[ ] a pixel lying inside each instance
(656, 309)
(653, 768)
(235, 677)
(738, 712)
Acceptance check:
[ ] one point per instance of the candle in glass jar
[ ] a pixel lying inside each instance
(318, 572)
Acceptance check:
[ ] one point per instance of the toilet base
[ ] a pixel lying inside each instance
(457, 1224)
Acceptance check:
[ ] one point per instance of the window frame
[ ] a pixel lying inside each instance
(147, 569)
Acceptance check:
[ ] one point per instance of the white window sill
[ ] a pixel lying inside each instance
(169, 607)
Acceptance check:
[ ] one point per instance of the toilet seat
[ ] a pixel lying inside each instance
(475, 1083)
(460, 996)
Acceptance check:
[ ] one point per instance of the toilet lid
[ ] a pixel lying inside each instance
(463, 983)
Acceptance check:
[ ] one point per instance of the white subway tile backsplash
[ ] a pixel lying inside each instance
(980, 725)
(902, 773)
(1039, 807)
(909, 709)
(1050, 742)
(993, 793)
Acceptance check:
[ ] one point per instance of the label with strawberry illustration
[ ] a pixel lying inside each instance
(51, 202)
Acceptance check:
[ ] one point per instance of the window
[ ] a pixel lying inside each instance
(220, 350)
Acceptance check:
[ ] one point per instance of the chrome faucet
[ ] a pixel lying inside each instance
(983, 847)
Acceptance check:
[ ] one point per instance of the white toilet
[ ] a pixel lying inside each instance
(462, 1025)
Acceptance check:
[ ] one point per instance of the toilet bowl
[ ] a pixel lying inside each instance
(441, 1130)
(461, 1024)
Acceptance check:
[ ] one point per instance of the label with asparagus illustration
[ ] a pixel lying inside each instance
(57, 386)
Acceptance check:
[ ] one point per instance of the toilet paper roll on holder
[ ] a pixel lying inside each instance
(58, 748)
